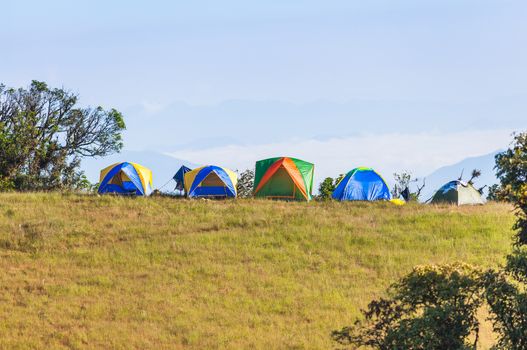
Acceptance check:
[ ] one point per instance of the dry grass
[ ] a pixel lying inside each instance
(110, 272)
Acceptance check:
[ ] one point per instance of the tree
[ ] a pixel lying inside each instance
(326, 187)
(434, 307)
(403, 181)
(511, 169)
(44, 135)
(506, 289)
(245, 184)
(497, 194)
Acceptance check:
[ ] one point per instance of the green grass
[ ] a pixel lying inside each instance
(110, 272)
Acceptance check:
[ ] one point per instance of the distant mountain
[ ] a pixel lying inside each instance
(162, 166)
(445, 174)
(249, 122)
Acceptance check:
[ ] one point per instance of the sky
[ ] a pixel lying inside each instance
(405, 84)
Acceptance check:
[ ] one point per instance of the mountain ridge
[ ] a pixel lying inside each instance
(165, 166)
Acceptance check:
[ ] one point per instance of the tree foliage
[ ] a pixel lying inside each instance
(326, 187)
(496, 194)
(508, 304)
(511, 170)
(403, 182)
(506, 289)
(44, 135)
(434, 307)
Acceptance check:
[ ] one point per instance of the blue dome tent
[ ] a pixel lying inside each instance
(362, 184)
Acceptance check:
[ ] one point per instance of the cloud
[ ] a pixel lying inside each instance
(420, 153)
(150, 107)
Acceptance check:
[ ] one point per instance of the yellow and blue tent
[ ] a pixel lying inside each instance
(126, 178)
(211, 181)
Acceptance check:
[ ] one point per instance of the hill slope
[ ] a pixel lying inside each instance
(110, 272)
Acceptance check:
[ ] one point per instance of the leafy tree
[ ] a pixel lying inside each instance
(494, 193)
(511, 169)
(434, 307)
(44, 135)
(326, 187)
(506, 289)
(403, 181)
(245, 184)
(498, 194)
(508, 304)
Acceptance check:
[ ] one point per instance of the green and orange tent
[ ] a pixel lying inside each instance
(283, 177)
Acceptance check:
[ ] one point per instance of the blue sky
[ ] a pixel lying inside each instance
(429, 82)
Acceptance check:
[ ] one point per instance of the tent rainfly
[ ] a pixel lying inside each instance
(127, 179)
(362, 184)
(179, 177)
(457, 192)
(284, 178)
(210, 181)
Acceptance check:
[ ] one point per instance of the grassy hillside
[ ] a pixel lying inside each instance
(80, 271)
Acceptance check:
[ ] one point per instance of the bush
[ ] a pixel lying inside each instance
(434, 307)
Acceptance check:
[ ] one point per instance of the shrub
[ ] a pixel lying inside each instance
(434, 307)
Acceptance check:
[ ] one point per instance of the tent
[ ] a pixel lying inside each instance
(362, 184)
(210, 181)
(457, 192)
(283, 177)
(126, 178)
(180, 177)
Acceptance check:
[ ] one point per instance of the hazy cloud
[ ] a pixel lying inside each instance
(420, 153)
